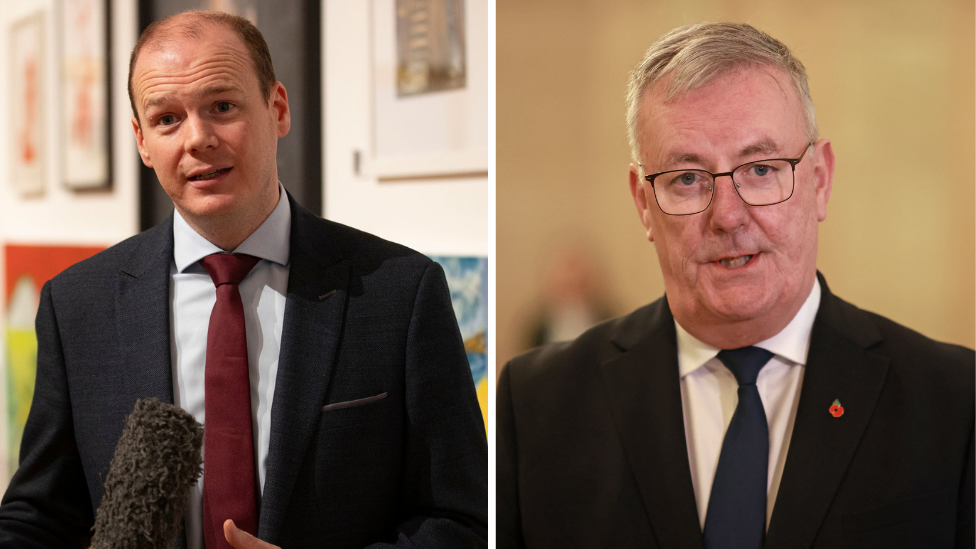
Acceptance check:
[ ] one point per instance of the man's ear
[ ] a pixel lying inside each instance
(279, 102)
(823, 175)
(639, 195)
(140, 142)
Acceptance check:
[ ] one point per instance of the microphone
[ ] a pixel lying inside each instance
(156, 463)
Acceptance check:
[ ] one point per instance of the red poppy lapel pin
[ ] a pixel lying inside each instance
(836, 409)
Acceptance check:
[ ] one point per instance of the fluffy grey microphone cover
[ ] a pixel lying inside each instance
(156, 462)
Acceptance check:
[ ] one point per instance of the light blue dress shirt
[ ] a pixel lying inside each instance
(192, 297)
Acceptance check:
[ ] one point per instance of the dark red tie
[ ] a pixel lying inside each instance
(229, 484)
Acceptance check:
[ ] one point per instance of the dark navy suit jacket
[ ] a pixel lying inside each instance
(592, 451)
(363, 317)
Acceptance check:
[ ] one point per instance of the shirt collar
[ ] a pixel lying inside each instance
(792, 343)
(269, 241)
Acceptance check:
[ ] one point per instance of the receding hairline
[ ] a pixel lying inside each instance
(192, 25)
(172, 33)
(187, 25)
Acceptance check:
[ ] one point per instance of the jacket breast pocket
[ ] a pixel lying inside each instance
(927, 520)
(354, 412)
(357, 450)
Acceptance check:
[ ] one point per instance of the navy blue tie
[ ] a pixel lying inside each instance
(736, 515)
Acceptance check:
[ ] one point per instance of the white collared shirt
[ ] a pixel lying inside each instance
(192, 297)
(709, 395)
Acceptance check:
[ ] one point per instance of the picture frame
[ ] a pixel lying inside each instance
(85, 95)
(441, 132)
(26, 152)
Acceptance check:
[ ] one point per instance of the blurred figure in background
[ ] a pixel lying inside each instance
(576, 295)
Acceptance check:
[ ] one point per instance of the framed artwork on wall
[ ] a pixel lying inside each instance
(26, 105)
(430, 46)
(430, 90)
(85, 114)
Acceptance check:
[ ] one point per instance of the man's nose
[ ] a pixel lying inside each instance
(728, 212)
(200, 134)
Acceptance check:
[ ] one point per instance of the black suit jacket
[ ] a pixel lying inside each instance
(363, 317)
(592, 452)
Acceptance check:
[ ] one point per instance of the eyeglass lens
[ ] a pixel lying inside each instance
(758, 184)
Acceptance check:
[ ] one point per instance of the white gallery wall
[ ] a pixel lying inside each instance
(442, 215)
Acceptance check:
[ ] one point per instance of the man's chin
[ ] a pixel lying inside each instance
(209, 207)
(739, 305)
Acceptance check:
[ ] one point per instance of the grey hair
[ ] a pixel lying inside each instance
(696, 55)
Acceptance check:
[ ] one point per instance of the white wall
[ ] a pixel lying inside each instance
(442, 216)
(60, 216)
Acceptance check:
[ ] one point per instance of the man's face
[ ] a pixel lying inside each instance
(205, 127)
(747, 115)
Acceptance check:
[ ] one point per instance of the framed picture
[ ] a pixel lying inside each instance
(431, 112)
(26, 108)
(85, 97)
(430, 46)
(467, 279)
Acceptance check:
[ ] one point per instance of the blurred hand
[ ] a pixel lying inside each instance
(240, 539)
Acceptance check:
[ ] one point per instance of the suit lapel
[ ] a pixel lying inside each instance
(315, 306)
(645, 398)
(142, 317)
(841, 367)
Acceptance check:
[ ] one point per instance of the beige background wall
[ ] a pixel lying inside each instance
(893, 83)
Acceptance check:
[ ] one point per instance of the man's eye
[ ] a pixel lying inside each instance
(761, 170)
(223, 106)
(685, 179)
(166, 120)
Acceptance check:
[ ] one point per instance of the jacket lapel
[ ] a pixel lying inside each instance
(315, 307)
(142, 317)
(645, 397)
(841, 367)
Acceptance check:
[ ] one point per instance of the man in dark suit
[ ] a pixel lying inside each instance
(749, 407)
(366, 428)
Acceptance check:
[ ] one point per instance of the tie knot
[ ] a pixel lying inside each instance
(745, 363)
(228, 268)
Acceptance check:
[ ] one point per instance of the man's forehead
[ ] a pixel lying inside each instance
(751, 110)
(179, 63)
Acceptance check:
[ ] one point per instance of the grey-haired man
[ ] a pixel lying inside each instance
(749, 407)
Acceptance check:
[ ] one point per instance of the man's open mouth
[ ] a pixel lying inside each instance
(735, 262)
(208, 175)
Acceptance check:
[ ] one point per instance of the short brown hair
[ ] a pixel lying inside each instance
(193, 28)
(696, 55)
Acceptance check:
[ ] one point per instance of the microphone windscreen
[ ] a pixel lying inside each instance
(156, 463)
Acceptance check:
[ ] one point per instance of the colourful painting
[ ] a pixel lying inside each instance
(27, 269)
(26, 102)
(84, 94)
(467, 278)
